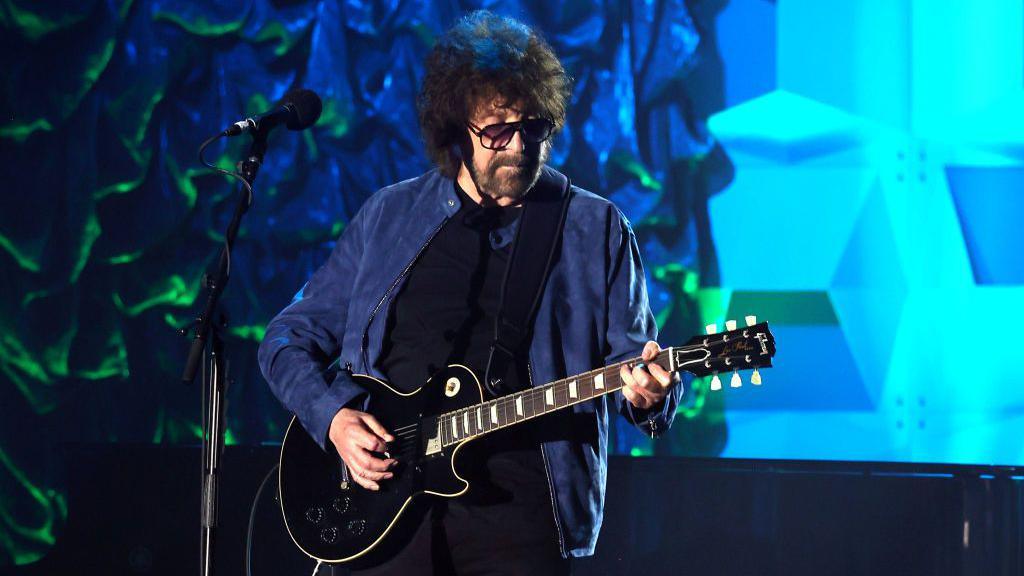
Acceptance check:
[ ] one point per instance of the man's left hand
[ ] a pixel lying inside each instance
(645, 386)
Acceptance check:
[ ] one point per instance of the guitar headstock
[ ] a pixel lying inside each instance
(750, 347)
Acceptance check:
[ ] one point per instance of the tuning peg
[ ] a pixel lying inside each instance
(730, 325)
(755, 378)
(711, 328)
(716, 383)
(751, 320)
(735, 381)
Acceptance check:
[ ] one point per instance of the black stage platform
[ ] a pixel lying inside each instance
(135, 510)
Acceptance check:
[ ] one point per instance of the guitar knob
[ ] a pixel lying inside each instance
(711, 328)
(315, 514)
(730, 325)
(355, 527)
(341, 505)
(329, 535)
(751, 320)
(716, 382)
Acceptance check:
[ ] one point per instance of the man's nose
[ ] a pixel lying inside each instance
(517, 143)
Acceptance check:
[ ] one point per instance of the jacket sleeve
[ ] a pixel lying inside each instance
(631, 323)
(303, 340)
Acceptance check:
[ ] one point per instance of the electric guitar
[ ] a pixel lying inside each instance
(334, 520)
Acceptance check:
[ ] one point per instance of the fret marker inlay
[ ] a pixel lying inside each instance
(549, 396)
(455, 427)
(572, 390)
(494, 413)
(465, 421)
(599, 381)
(519, 405)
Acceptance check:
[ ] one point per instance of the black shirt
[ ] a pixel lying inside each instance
(444, 314)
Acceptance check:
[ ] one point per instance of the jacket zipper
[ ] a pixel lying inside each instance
(365, 347)
(547, 473)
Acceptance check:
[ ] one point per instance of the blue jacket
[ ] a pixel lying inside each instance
(594, 312)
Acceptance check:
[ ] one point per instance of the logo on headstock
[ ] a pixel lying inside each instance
(763, 339)
(736, 348)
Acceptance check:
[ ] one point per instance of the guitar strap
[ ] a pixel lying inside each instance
(534, 249)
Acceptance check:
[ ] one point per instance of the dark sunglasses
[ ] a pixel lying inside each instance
(497, 136)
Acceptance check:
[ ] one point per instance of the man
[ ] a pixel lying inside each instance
(414, 284)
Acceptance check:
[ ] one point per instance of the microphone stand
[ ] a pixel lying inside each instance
(208, 347)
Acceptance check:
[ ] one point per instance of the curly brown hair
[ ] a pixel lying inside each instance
(486, 56)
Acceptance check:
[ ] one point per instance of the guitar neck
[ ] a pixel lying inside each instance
(733, 350)
(518, 407)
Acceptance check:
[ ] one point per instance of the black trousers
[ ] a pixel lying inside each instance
(468, 540)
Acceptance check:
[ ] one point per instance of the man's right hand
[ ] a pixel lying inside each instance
(356, 435)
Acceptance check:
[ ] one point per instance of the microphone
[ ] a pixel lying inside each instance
(298, 110)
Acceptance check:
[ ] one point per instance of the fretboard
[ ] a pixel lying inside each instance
(518, 407)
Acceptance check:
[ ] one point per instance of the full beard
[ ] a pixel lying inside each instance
(497, 181)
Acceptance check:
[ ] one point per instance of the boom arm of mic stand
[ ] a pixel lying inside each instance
(215, 284)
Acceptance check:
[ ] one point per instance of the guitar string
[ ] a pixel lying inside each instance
(532, 395)
(506, 401)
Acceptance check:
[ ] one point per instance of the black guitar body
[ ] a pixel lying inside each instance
(335, 520)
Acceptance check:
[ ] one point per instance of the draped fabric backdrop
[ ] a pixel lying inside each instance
(108, 221)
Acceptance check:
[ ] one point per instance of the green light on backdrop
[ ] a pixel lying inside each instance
(125, 258)
(255, 333)
(90, 233)
(699, 391)
(690, 278)
(334, 119)
(640, 451)
(276, 30)
(13, 352)
(170, 292)
(50, 505)
(183, 180)
(112, 365)
(635, 167)
(125, 107)
(310, 142)
(201, 26)
(23, 260)
(19, 132)
(32, 25)
(94, 66)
